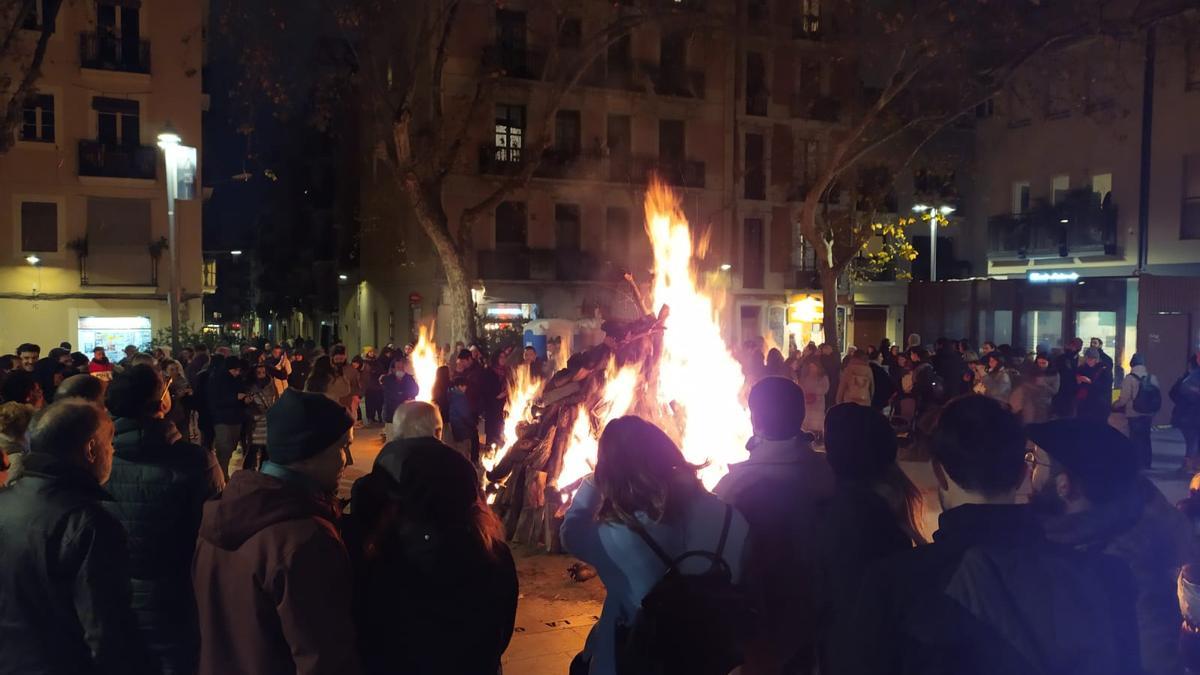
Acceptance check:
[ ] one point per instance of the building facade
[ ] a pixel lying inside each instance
(83, 211)
(731, 120)
(1086, 177)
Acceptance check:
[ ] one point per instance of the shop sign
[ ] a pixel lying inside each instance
(1052, 277)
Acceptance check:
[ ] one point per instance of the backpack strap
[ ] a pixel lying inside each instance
(640, 531)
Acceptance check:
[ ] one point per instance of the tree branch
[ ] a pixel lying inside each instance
(16, 104)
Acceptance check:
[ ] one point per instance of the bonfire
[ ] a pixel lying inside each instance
(671, 367)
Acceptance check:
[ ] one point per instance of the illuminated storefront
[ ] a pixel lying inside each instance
(114, 333)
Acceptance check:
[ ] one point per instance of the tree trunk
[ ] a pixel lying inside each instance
(427, 207)
(829, 298)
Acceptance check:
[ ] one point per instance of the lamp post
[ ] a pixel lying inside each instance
(169, 141)
(944, 210)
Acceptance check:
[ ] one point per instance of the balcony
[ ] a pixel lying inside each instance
(821, 108)
(103, 52)
(112, 160)
(634, 169)
(520, 63)
(674, 172)
(1074, 228)
(526, 264)
(807, 27)
(673, 80)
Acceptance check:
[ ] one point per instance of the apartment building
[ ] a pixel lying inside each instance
(83, 207)
(1087, 182)
(727, 118)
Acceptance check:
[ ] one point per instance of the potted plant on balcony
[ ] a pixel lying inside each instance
(80, 246)
(156, 250)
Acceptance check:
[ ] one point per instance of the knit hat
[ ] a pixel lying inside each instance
(1096, 455)
(1137, 360)
(859, 442)
(301, 425)
(1091, 353)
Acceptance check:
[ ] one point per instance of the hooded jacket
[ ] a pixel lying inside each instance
(427, 600)
(159, 484)
(1155, 540)
(272, 582)
(64, 577)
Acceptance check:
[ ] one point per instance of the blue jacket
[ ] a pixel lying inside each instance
(627, 566)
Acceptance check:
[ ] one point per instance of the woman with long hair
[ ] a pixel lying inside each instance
(320, 376)
(642, 483)
(436, 586)
(875, 510)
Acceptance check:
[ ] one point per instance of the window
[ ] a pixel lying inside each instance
(1043, 330)
(670, 141)
(39, 227)
(113, 222)
(570, 33)
(616, 234)
(567, 227)
(752, 253)
(209, 273)
(810, 17)
(1101, 325)
(619, 135)
(566, 132)
(756, 84)
(1193, 63)
(1102, 188)
(510, 224)
(620, 55)
(672, 63)
(1020, 197)
(39, 13)
(1189, 227)
(117, 121)
(37, 123)
(1059, 185)
(510, 132)
(755, 179)
(806, 162)
(757, 11)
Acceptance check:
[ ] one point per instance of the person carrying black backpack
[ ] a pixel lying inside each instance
(1139, 401)
(643, 507)
(1185, 416)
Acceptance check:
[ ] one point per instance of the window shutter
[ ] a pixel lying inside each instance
(781, 239)
(781, 155)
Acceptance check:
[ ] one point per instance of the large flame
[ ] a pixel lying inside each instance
(699, 384)
(699, 379)
(523, 390)
(425, 363)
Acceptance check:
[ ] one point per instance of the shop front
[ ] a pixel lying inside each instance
(1038, 313)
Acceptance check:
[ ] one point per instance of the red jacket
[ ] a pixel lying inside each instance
(273, 584)
(97, 368)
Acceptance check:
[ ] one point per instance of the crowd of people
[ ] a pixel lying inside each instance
(132, 546)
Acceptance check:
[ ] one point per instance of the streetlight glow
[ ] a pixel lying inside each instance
(168, 137)
(946, 210)
(343, 277)
(933, 210)
(920, 208)
(235, 252)
(725, 267)
(32, 260)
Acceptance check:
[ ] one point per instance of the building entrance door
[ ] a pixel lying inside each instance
(870, 326)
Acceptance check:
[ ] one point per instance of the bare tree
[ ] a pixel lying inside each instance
(26, 35)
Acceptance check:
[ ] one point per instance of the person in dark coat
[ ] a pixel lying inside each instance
(1185, 415)
(990, 595)
(777, 490)
(884, 389)
(1090, 496)
(1097, 380)
(1067, 367)
(872, 513)
(197, 363)
(435, 584)
(949, 366)
(227, 402)
(159, 484)
(64, 562)
(399, 387)
(833, 369)
(199, 400)
(271, 574)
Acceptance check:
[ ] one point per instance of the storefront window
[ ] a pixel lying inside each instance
(1101, 325)
(114, 333)
(1043, 330)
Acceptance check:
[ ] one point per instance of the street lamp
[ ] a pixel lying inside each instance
(235, 253)
(168, 142)
(343, 277)
(944, 210)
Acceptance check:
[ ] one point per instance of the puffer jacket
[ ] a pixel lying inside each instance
(857, 385)
(64, 577)
(159, 484)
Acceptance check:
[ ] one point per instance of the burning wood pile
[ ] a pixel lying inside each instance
(671, 367)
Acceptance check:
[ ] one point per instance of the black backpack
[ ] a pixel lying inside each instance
(1149, 397)
(688, 624)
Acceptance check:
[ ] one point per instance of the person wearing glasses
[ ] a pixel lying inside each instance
(1089, 495)
(158, 485)
(991, 594)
